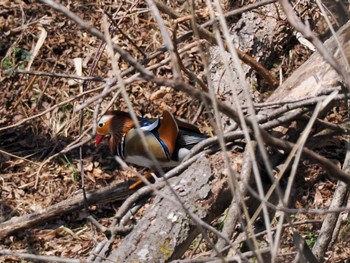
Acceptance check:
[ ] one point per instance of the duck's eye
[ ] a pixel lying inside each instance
(100, 124)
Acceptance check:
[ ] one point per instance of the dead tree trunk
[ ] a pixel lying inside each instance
(166, 230)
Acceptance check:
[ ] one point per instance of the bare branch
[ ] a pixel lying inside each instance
(307, 33)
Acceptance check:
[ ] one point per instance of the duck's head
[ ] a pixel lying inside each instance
(115, 124)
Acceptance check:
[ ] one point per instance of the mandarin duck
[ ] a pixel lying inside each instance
(169, 138)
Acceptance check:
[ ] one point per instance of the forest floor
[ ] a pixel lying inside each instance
(27, 140)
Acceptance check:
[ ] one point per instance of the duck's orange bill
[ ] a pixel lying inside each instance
(98, 139)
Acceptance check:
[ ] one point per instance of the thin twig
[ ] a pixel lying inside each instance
(253, 124)
(328, 226)
(59, 75)
(234, 211)
(40, 257)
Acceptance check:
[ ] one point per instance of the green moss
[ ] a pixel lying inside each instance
(72, 168)
(310, 239)
(21, 54)
(166, 250)
(6, 64)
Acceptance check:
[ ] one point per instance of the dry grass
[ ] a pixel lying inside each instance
(24, 147)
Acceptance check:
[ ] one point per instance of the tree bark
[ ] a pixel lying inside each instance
(166, 230)
(315, 74)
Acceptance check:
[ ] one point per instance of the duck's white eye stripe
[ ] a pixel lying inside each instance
(104, 119)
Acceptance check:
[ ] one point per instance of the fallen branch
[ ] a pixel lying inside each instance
(108, 194)
(203, 192)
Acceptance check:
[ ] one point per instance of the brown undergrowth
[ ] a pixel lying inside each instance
(26, 142)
